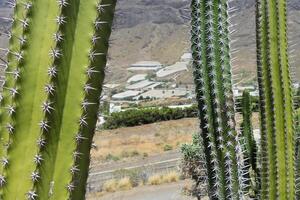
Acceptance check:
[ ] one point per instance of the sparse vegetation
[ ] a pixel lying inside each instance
(131, 178)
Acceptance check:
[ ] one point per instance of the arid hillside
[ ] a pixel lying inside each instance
(159, 30)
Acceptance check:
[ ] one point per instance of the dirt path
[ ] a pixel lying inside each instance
(161, 192)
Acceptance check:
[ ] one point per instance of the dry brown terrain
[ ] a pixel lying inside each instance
(143, 140)
(146, 140)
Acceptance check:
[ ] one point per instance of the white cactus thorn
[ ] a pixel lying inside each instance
(52, 71)
(101, 7)
(99, 23)
(38, 159)
(88, 88)
(62, 3)
(85, 104)
(49, 89)
(74, 170)
(93, 54)
(41, 142)
(2, 180)
(79, 138)
(27, 5)
(47, 107)
(11, 110)
(58, 37)
(55, 53)
(4, 161)
(25, 23)
(35, 176)
(70, 187)
(15, 73)
(10, 128)
(76, 154)
(44, 125)
(60, 20)
(91, 71)
(82, 121)
(31, 195)
(95, 38)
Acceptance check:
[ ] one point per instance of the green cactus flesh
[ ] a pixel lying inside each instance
(278, 134)
(55, 95)
(212, 74)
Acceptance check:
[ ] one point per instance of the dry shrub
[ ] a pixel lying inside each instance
(155, 180)
(110, 186)
(125, 184)
(170, 177)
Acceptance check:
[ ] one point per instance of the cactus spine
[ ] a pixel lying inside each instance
(212, 75)
(55, 69)
(276, 104)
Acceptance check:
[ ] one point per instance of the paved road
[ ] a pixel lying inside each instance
(161, 192)
(149, 166)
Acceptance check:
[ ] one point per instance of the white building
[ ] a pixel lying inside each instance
(127, 95)
(136, 78)
(186, 57)
(140, 85)
(145, 66)
(173, 69)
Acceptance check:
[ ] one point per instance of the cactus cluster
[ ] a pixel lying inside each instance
(54, 71)
(212, 73)
(212, 77)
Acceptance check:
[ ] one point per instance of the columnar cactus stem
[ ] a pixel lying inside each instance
(247, 130)
(212, 74)
(297, 116)
(12, 69)
(278, 133)
(59, 67)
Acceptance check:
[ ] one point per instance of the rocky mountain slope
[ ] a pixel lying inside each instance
(159, 30)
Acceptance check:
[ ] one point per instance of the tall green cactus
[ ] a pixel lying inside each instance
(54, 72)
(297, 120)
(212, 75)
(276, 103)
(247, 130)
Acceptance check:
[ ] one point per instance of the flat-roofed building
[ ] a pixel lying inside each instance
(145, 66)
(127, 95)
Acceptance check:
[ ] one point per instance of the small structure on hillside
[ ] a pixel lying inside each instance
(127, 95)
(137, 78)
(145, 66)
(171, 70)
(186, 57)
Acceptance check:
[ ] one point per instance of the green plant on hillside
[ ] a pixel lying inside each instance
(54, 72)
(276, 102)
(192, 165)
(212, 75)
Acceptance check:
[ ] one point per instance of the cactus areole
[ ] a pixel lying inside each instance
(54, 73)
(276, 102)
(212, 75)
